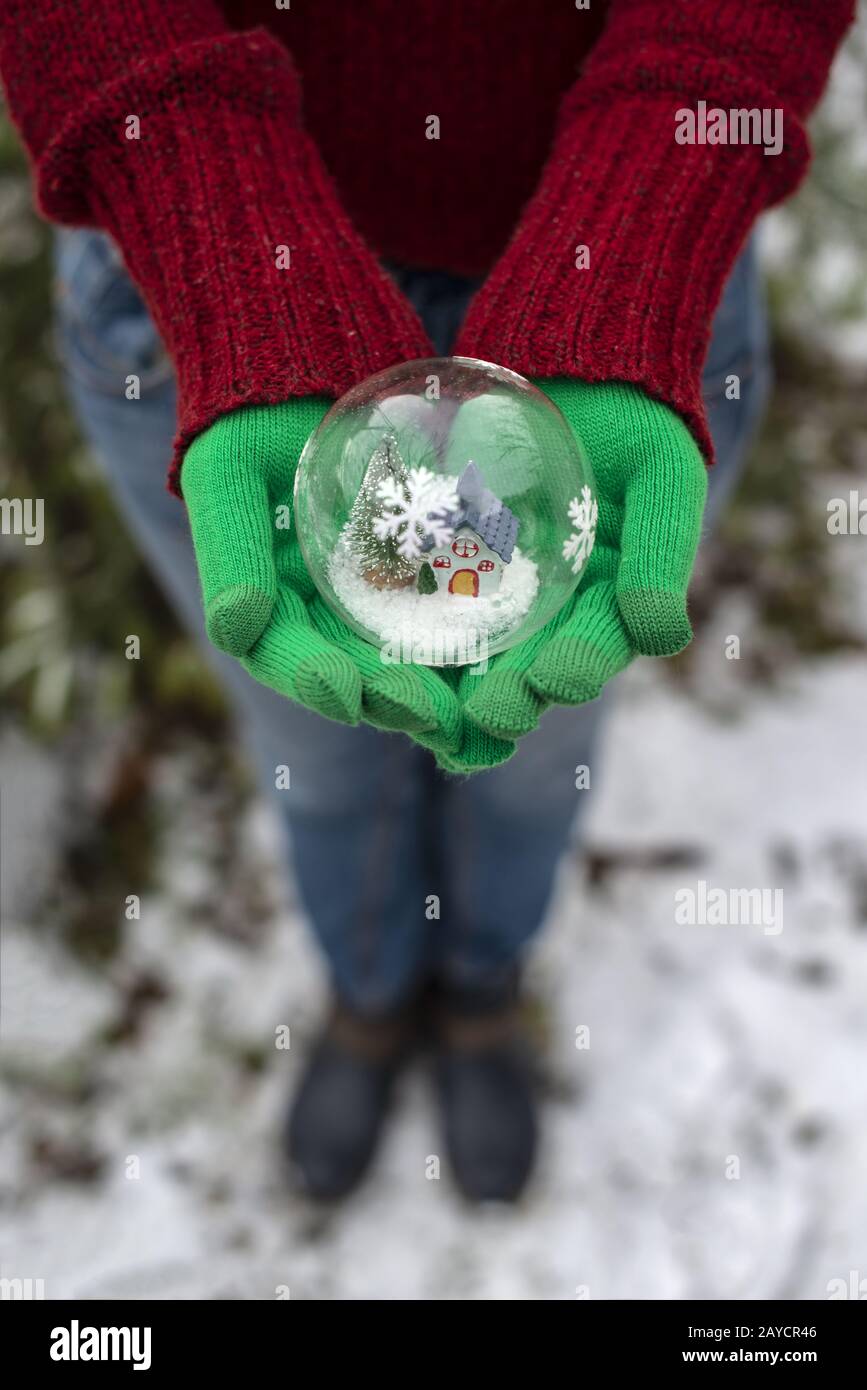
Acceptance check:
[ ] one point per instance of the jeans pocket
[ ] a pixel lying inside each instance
(739, 336)
(105, 333)
(734, 375)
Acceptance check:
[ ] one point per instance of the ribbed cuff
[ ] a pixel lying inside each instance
(662, 224)
(221, 178)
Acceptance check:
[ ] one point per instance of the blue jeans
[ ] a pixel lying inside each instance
(375, 830)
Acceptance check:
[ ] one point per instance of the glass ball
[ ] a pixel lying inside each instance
(445, 510)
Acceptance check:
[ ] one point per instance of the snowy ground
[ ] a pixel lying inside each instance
(710, 1142)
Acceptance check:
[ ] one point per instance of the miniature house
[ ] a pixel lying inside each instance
(484, 539)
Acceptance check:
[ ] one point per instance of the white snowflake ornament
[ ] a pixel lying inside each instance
(416, 508)
(583, 513)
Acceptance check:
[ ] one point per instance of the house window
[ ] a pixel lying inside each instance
(442, 562)
(485, 566)
(464, 548)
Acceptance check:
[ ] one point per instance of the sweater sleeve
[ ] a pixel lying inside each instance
(184, 141)
(663, 221)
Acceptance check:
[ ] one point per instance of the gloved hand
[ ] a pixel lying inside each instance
(650, 485)
(260, 602)
(262, 606)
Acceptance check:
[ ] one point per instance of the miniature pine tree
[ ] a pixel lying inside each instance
(427, 583)
(381, 564)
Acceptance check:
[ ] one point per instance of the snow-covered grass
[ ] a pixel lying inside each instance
(709, 1142)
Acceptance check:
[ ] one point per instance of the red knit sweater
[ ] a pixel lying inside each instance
(539, 151)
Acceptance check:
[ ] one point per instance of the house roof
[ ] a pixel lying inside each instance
(484, 513)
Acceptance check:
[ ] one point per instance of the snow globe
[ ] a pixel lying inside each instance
(445, 510)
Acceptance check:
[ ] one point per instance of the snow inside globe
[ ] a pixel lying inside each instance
(445, 510)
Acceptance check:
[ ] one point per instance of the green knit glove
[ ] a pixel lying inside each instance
(261, 604)
(650, 485)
